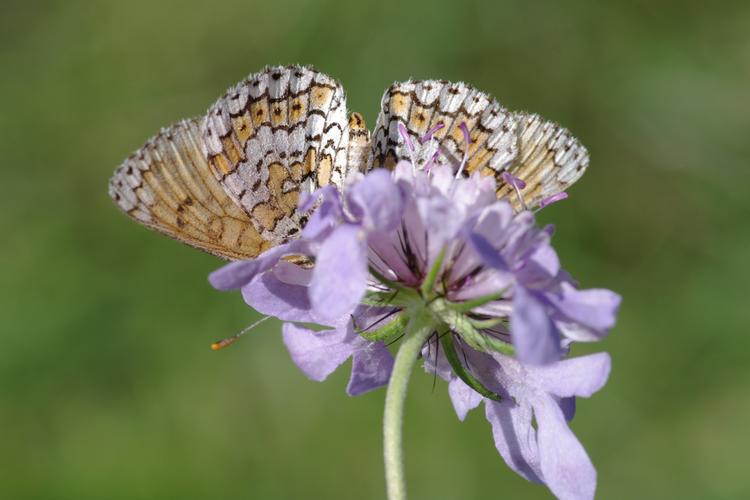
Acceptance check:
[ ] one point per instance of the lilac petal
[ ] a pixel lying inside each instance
(463, 397)
(541, 267)
(535, 337)
(492, 222)
(404, 172)
(376, 201)
(515, 437)
(593, 308)
(327, 215)
(489, 254)
(442, 221)
(566, 468)
(387, 257)
(372, 364)
(435, 361)
(318, 354)
(581, 376)
(340, 276)
(269, 295)
(237, 274)
(487, 282)
(475, 192)
(568, 407)
(292, 274)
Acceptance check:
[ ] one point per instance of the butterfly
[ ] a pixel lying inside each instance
(229, 182)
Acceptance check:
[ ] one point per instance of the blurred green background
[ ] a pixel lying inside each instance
(108, 389)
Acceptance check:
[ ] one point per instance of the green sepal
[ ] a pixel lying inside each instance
(389, 283)
(446, 340)
(486, 323)
(463, 326)
(429, 282)
(390, 298)
(468, 305)
(395, 327)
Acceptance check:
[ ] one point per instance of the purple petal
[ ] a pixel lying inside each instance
(463, 397)
(371, 368)
(541, 267)
(568, 407)
(376, 201)
(535, 337)
(441, 221)
(593, 308)
(340, 274)
(268, 295)
(581, 376)
(326, 216)
(435, 362)
(515, 437)
(237, 274)
(318, 354)
(489, 254)
(492, 223)
(292, 274)
(566, 468)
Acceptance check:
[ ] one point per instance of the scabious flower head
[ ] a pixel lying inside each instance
(424, 244)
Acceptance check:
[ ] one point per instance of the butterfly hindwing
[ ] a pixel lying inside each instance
(549, 159)
(540, 153)
(422, 105)
(279, 133)
(168, 186)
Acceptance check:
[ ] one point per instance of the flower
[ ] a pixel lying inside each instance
(548, 453)
(427, 250)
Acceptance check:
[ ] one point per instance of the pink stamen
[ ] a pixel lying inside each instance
(553, 199)
(513, 180)
(405, 135)
(432, 160)
(518, 185)
(467, 139)
(431, 132)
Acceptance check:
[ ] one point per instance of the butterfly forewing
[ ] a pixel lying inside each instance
(168, 186)
(281, 132)
(229, 183)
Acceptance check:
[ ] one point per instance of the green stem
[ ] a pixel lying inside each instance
(417, 333)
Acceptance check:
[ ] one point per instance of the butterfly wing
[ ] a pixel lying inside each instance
(229, 183)
(545, 156)
(422, 105)
(549, 159)
(279, 133)
(167, 185)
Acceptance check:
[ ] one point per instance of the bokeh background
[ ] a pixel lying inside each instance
(108, 389)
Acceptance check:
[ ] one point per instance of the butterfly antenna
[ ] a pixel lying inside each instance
(221, 344)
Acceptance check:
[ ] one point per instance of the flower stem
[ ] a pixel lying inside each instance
(417, 333)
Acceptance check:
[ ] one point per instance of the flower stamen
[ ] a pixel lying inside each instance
(431, 132)
(221, 344)
(467, 140)
(552, 199)
(409, 144)
(517, 184)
